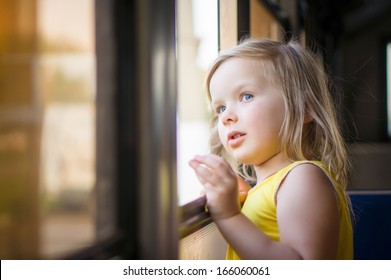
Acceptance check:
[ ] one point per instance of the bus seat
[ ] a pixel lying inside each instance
(372, 225)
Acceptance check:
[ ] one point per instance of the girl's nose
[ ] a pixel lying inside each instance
(229, 116)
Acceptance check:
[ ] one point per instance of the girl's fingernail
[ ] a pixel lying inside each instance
(193, 163)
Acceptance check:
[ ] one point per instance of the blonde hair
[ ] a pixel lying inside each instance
(305, 86)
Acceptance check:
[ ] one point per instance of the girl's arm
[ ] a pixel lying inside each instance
(307, 213)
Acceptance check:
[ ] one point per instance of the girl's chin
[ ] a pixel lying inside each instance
(244, 160)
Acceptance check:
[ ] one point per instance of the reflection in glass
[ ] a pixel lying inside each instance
(47, 127)
(66, 67)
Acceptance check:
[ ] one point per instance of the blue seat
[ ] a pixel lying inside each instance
(372, 225)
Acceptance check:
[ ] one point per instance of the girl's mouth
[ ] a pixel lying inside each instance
(235, 138)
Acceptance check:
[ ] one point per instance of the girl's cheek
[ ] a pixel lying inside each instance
(221, 134)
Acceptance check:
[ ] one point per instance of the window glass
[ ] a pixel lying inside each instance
(197, 46)
(47, 127)
(66, 73)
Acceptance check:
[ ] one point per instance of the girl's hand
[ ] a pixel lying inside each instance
(220, 183)
(244, 187)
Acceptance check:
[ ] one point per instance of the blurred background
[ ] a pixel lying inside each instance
(47, 126)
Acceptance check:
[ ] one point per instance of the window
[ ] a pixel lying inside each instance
(87, 129)
(47, 127)
(197, 45)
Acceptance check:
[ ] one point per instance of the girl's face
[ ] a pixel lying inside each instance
(251, 111)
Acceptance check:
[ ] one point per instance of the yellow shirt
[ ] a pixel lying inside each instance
(265, 217)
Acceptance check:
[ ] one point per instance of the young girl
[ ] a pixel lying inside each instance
(274, 125)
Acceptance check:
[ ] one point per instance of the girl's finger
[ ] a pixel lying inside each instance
(216, 163)
(200, 167)
(203, 173)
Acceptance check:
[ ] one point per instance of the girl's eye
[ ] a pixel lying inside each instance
(220, 109)
(247, 97)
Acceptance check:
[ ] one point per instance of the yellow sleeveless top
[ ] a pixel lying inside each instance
(265, 217)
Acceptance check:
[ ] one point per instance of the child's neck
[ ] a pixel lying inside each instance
(271, 166)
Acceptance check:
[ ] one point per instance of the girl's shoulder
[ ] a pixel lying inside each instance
(309, 176)
(306, 170)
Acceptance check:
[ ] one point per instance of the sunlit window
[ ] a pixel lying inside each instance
(197, 46)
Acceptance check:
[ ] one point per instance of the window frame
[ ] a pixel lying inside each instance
(136, 133)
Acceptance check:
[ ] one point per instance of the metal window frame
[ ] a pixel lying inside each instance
(136, 131)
